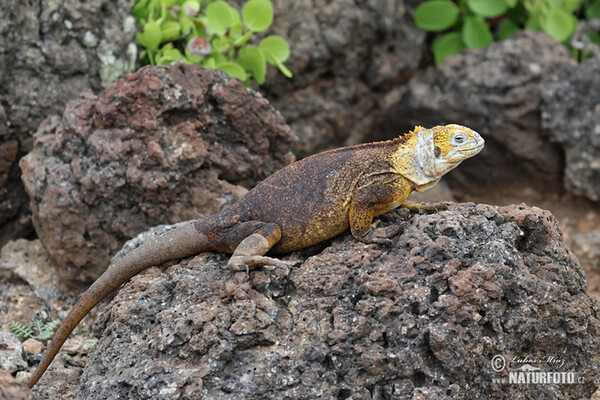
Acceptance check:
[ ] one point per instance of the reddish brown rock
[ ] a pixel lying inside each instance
(163, 145)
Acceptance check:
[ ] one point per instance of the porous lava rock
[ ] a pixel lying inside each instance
(424, 318)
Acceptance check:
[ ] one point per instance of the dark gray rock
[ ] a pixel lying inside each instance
(571, 114)
(421, 319)
(163, 145)
(50, 52)
(496, 91)
(12, 355)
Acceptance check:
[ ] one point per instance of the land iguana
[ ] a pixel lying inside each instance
(305, 203)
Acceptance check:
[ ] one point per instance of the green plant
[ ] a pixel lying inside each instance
(40, 330)
(211, 33)
(473, 24)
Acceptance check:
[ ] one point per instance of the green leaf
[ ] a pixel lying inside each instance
(277, 45)
(476, 33)
(150, 38)
(445, 46)
(533, 23)
(140, 10)
(218, 17)
(593, 10)
(270, 57)
(190, 8)
(167, 54)
(559, 24)
(233, 69)
(209, 62)
(257, 15)
(511, 3)
(595, 38)
(507, 28)
(221, 44)
(169, 31)
(436, 15)
(187, 26)
(488, 8)
(243, 39)
(235, 15)
(253, 60)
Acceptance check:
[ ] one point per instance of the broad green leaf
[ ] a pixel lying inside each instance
(436, 15)
(169, 30)
(253, 60)
(533, 23)
(221, 44)
(570, 5)
(233, 69)
(476, 33)
(511, 3)
(235, 15)
(140, 10)
(190, 8)
(445, 46)
(218, 17)
(188, 27)
(167, 54)
(488, 8)
(236, 30)
(257, 15)
(559, 24)
(593, 10)
(278, 46)
(150, 37)
(270, 57)
(167, 3)
(507, 28)
(209, 62)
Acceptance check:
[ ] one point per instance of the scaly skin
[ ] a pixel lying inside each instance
(307, 202)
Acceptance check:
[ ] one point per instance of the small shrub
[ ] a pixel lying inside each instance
(211, 33)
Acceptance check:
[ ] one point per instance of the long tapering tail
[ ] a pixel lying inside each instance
(183, 241)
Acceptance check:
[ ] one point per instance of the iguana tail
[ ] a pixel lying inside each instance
(180, 242)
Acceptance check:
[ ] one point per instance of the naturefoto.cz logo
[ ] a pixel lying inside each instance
(532, 370)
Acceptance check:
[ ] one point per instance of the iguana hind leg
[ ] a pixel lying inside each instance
(250, 252)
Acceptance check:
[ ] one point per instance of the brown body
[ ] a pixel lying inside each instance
(305, 203)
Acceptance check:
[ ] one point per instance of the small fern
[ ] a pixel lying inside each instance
(20, 330)
(44, 330)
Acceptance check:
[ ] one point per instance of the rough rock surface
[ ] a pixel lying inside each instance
(10, 389)
(163, 145)
(496, 91)
(571, 114)
(50, 52)
(422, 319)
(345, 56)
(12, 356)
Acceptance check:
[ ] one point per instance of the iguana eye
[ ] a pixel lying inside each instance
(459, 138)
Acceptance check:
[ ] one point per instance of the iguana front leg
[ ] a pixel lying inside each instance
(371, 201)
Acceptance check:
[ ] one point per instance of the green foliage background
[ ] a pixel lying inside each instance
(474, 24)
(211, 33)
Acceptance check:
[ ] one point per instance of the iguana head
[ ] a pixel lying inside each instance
(427, 154)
